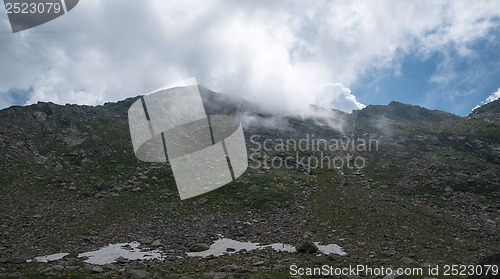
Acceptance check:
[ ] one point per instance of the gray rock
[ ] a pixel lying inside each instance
(307, 247)
(199, 247)
(99, 183)
(146, 240)
(40, 116)
(71, 255)
(491, 171)
(137, 273)
(200, 202)
(121, 260)
(99, 195)
(156, 243)
(97, 269)
(47, 270)
(214, 275)
(58, 168)
(111, 266)
(387, 254)
(408, 261)
(230, 268)
(259, 263)
(72, 268)
(58, 267)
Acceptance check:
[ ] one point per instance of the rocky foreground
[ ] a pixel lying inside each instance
(429, 195)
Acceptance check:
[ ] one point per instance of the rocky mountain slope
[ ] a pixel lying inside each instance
(415, 188)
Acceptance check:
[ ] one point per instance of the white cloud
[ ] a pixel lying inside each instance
(493, 97)
(337, 96)
(283, 55)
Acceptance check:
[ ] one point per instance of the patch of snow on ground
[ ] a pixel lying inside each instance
(51, 258)
(110, 253)
(220, 248)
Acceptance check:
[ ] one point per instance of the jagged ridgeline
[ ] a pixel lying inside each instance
(394, 185)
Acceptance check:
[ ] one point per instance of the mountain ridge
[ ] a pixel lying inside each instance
(226, 99)
(428, 193)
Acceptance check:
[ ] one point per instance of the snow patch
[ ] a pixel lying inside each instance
(221, 246)
(110, 253)
(51, 258)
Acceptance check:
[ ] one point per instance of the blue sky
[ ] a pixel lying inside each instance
(470, 79)
(283, 55)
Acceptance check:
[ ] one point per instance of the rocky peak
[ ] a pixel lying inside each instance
(489, 112)
(401, 112)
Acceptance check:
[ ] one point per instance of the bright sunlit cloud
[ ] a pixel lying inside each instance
(283, 55)
(493, 97)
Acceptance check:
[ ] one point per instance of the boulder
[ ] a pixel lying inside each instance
(199, 247)
(307, 247)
